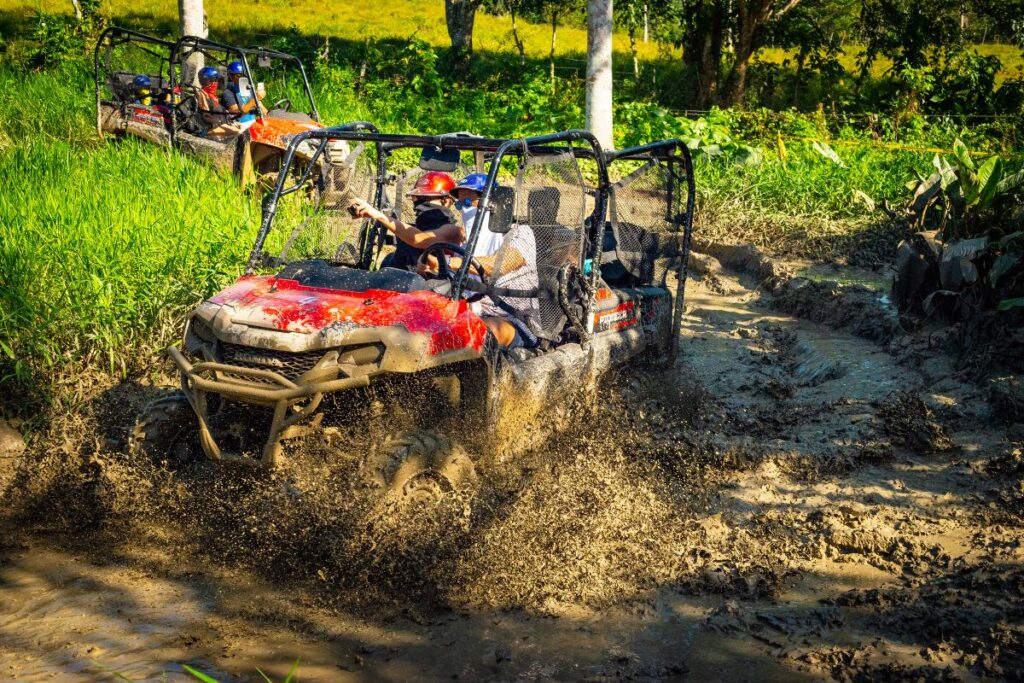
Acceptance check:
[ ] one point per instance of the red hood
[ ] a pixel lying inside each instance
(285, 305)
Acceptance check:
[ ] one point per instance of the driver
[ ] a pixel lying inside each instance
(435, 221)
(234, 100)
(213, 114)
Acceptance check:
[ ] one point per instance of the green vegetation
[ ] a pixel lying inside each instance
(105, 245)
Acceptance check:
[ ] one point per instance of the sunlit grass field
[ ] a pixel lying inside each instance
(357, 21)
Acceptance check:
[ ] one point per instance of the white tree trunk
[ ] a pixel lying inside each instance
(193, 23)
(193, 18)
(599, 71)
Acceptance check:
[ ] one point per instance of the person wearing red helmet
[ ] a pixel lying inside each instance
(435, 222)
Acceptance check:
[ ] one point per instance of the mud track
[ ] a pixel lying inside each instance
(809, 494)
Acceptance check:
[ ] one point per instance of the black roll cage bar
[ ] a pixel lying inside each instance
(672, 151)
(185, 47)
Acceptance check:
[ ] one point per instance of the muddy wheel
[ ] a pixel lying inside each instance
(162, 426)
(419, 468)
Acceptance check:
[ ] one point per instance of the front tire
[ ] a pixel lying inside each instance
(161, 430)
(419, 468)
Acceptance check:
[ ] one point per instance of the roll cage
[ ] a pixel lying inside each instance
(174, 59)
(643, 233)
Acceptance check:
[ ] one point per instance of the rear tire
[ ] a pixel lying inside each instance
(419, 468)
(162, 427)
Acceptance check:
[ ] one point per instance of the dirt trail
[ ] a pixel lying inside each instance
(809, 497)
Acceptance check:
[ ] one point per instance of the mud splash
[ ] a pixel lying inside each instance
(793, 501)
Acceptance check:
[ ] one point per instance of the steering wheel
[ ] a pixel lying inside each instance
(444, 270)
(283, 105)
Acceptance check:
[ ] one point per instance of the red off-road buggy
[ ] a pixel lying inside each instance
(168, 112)
(322, 339)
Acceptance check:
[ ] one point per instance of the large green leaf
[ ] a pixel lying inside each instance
(989, 175)
(1002, 266)
(1012, 182)
(825, 150)
(1012, 237)
(1007, 304)
(962, 155)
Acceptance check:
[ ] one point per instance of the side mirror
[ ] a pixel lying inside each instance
(502, 210)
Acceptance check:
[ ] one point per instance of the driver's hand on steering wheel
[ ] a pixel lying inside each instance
(427, 269)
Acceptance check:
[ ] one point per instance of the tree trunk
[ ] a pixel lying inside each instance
(193, 18)
(515, 35)
(551, 54)
(751, 18)
(193, 23)
(702, 50)
(459, 16)
(800, 59)
(78, 9)
(599, 71)
(633, 54)
(646, 24)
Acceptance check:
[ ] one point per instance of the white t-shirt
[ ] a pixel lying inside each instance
(488, 242)
(520, 239)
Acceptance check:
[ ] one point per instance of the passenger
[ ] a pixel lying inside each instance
(435, 221)
(213, 114)
(467, 198)
(509, 323)
(143, 92)
(234, 100)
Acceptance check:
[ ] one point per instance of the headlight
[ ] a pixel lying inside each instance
(200, 328)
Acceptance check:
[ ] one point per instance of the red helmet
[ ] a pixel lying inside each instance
(433, 184)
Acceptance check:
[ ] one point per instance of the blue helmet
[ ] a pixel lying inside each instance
(474, 181)
(236, 68)
(207, 73)
(141, 81)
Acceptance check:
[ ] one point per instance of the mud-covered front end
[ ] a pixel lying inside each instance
(278, 344)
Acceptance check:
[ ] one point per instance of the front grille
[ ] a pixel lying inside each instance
(290, 365)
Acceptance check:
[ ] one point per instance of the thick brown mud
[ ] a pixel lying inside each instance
(810, 493)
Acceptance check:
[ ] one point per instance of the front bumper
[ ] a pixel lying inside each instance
(292, 401)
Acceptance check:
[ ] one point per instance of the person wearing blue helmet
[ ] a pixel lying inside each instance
(214, 115)
(467, 195)
(234, 99)
(143, 92)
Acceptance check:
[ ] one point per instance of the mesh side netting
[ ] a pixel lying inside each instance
(550, 205)
(646, 213)
(329, 232)
(124, 61)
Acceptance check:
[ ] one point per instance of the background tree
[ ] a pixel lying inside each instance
(599, 71)
(459, 16)
(751, 21)
(192, 18)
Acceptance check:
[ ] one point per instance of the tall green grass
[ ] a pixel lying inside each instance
(101, 251)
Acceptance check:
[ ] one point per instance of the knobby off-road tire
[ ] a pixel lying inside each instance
(162, 427)
(418, 468)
